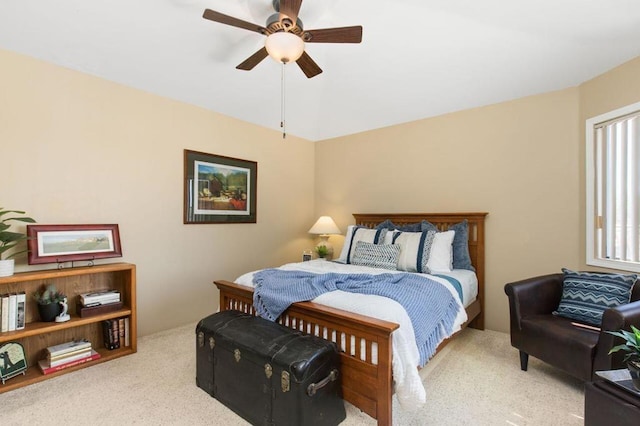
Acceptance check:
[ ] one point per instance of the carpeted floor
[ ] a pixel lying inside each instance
(475, 380)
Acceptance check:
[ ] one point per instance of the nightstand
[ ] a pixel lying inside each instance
(610, 403)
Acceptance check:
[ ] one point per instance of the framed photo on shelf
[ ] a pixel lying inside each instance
(68, 243)
(219, 189)
(13, 360)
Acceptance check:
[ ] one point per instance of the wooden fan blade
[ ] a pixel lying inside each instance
(290, 9)
(253, 60)
(308, 66)
(212, 15)
(334, 35)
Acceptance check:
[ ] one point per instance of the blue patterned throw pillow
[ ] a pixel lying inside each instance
(383, 256)
(586, 295)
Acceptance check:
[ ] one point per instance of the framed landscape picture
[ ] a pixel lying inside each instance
(68, 243)
(219, 189)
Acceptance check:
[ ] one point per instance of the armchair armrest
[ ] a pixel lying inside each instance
(533, 296)
(614, 319)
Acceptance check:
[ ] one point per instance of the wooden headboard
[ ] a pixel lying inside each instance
(442, 221)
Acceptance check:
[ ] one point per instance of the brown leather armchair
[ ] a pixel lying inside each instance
(555, 340)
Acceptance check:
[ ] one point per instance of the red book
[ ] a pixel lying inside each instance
(46, 368)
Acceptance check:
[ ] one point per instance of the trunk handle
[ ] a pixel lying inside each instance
(313, 387)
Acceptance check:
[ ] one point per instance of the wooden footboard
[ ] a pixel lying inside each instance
(366, 383)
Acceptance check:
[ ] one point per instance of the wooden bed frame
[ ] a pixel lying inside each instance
(366, 385)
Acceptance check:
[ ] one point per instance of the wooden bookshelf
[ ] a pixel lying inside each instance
(37, 335)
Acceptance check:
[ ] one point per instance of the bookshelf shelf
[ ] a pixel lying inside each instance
(37, 335)
(38, 328)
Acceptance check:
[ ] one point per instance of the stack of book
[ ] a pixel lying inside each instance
(12, 311)
(98, 303)
(67, 355)
(116, 333)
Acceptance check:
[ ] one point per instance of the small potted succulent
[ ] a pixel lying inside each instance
(9, 239)
(632, 347)
(49, 299)
(322, 251)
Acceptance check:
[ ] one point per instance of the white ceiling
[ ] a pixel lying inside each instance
(417, 59)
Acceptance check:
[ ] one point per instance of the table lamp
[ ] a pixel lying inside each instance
(324, 227)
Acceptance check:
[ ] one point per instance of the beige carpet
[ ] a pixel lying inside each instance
(476, 380)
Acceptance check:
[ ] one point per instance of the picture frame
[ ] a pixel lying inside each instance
(69, 243)
(13, 360)
(219, 189)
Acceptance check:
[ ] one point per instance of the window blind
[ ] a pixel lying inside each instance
(617, 189)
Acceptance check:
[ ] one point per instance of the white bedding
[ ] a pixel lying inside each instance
(408, 386)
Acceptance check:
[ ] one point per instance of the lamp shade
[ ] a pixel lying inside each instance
(324, 226)
(284, 47)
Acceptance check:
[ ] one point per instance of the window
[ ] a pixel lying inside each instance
(613, 189)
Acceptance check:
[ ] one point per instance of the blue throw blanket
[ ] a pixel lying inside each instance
(430, 305)
(455, 283)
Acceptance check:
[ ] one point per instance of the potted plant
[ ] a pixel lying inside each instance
(322, 251)
(632, 347)
(9, 239)
(48, 300)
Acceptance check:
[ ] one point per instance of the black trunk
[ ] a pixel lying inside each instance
(267, 373)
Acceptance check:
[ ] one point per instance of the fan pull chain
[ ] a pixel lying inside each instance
(282, 103)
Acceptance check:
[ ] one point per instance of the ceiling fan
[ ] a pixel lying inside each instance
(286, 36)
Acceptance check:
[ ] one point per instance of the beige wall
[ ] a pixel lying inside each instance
(516, 160)
(79, 149)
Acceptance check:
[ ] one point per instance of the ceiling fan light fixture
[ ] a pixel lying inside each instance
(284, 47)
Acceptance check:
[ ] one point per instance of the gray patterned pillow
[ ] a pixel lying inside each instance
(383, 256)
(586, 295)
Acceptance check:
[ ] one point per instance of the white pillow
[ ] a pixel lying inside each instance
(358, 233)
(415, 249)
(388, 237)
(441, 256)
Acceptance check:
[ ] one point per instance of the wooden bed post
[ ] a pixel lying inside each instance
(477, 251)
(385, 385)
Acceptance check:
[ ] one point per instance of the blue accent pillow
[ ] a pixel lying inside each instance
(586, 295)
(387, 224)
(461, 256)
(410, 227)
(425, 225)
